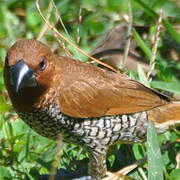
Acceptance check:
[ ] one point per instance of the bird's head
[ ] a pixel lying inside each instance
(29, 69)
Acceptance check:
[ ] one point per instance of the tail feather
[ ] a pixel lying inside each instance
(166, 116)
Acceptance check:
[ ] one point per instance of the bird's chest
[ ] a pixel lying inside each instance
(45, 121)
(93, 132)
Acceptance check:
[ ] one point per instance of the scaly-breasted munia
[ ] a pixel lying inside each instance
(87, 105)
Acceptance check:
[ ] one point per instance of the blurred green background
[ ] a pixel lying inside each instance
(25, 154)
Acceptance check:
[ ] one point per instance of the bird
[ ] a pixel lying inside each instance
(87, 105)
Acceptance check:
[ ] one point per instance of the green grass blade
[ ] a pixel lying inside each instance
(155, 16)
(147, 9)
(142, 77)
(155, 164)
(171, 30)
(142, 44)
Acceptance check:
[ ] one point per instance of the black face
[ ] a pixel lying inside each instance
(21, 75)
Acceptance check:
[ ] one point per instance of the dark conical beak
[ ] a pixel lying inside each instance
(21, 75)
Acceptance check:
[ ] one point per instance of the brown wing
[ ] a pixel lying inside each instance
(88, 91)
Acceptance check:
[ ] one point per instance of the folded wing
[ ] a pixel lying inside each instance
(94, 92)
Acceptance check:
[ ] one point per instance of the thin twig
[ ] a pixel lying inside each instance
(128, 42)
(62, 44)
(60, 19)
(155, 45)
(45, 26)
(58, 15)
(68, 41)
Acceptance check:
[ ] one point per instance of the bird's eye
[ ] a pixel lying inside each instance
(42, 64)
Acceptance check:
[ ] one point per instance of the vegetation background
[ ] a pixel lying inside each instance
(25, 154)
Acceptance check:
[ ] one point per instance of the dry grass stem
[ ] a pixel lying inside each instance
(60, 19)
(68, 41)
(128, 42)
(62, 44)
(155, 45)
(45, 26)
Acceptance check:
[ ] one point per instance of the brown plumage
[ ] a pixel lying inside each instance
(88, 105)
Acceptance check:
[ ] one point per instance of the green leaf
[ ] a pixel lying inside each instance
(175, 174)
(155, 164)
(33, 18)
(173, 87)
(138, 151)
(9, 130)
(4, 173)
(111, 159)
(23, 154)
(5, 108)
(114, 5)
(142, 76)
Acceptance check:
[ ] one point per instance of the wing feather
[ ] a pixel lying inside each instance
(94, 92)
